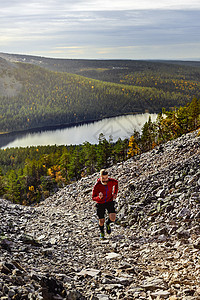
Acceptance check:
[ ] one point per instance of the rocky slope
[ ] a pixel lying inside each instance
(53, 251)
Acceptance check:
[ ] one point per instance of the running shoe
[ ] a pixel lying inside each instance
(102, 235)
(108, 228)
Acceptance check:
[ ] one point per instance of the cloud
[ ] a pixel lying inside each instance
(55, 7)
(111, 5)
(85, 29)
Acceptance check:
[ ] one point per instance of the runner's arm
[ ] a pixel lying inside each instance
(95, 194)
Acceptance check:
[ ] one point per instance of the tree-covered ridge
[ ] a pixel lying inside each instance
(28, 175)
(165, 82)
(168, 78)
(169, 125)
(53, 98)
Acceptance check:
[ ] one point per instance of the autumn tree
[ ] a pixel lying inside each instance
(134, 148)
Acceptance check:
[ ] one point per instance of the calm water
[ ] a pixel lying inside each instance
(117, 127)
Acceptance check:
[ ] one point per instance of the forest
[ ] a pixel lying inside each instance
(29, 175)
(36, 96)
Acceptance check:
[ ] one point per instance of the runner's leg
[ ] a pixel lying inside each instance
(112, 216)
(100, 214)
(101, 225)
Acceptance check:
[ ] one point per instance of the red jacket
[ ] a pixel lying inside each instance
(108, 190)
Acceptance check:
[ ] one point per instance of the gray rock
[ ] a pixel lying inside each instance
(184, 212)
(178, 184)
(197, 244)
(53, 250)
(89, 272)
(102, 297)
(113, 255)
(153, 284)
(183, 234)
(161, 294)
(160, 193)
(11, 293)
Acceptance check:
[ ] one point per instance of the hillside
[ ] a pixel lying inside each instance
(9, 85)
(78, 66)
(52, 251)
(37, 92)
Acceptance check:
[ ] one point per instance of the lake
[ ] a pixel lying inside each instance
(117, 127)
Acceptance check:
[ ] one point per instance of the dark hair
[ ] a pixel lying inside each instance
(103, 172)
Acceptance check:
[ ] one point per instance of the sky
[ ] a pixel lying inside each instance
(101, 29)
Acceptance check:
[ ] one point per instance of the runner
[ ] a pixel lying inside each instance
(104, 193)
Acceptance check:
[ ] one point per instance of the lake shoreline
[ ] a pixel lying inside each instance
(78, 132)
(64, 125)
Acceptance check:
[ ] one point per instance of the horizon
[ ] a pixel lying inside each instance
(103, 59)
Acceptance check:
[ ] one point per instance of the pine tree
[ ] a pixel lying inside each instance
(89, 154)
(75, 165)
(148, 138)
(2, 186)
(194, 114)
(64, 163)
(104, 152)
(13, 187)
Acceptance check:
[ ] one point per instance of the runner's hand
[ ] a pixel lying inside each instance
(100, 195)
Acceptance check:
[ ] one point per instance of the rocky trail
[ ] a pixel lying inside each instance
(53, 251)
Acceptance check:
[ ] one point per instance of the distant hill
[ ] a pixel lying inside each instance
(37, 91)
(77, 66)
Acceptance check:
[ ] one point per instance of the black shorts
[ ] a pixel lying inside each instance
(101, 208)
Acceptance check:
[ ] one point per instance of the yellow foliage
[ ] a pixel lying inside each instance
(50, 173)
(153, 145)
(133, 147)
(31, 188)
